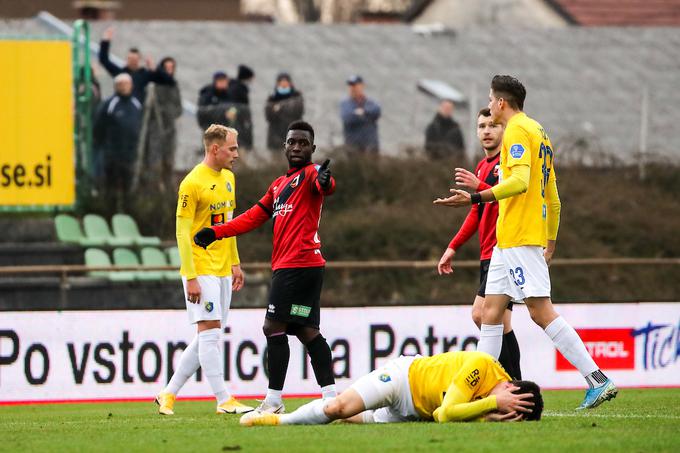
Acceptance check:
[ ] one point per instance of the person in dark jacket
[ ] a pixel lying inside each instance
(214, 103)
(164, 107)
(239, 95)
(115, 137)
(141, 76)
(360, 116)
(443, 137)
(283, 107)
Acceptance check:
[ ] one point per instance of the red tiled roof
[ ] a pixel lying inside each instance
(621, 12)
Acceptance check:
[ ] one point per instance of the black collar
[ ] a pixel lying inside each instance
(296, 169)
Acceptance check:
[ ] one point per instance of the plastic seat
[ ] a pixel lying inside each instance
(97, 229)
(125, 226)
(97, 257)
(69, 231)
(126, 257)
(151, 256)
(173, 256)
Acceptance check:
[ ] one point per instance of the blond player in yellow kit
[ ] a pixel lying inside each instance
(207, 196)
(528, 220)
(448, 387)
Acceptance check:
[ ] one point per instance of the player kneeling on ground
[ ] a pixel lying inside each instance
(448, 387)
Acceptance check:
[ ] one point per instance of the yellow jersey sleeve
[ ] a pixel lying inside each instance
(187, 199)
(519, 147)
(552, 200)
(184, 245)
(459, 403)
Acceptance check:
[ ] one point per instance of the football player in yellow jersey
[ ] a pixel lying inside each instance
(528, 220)
(207, 197)
(447, 387)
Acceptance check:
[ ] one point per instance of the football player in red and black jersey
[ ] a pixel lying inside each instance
(482, 219)
(294, 202)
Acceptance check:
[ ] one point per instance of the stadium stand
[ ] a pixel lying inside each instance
(126, 257)
(97, 230)
(69, 231)
(125, 227)
(152, 256)
(98, 257)
(607, 66)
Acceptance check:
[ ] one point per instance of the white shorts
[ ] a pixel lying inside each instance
(215, 299)
(386, 392)
(518, 272)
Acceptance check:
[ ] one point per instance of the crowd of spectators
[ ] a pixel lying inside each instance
(135, 137)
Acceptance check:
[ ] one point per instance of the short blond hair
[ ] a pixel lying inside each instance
(217, 133)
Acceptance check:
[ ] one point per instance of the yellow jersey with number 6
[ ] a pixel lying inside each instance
(522, 219)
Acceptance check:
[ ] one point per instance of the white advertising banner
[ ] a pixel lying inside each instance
(92, 355)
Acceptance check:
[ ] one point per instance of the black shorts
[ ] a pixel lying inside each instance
(294, 297)
(483, 272)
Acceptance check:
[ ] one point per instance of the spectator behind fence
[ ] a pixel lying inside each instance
(141, 76)
(216, 106)
(443, 137)
(163, 108)
(239, 95)
(115, 134)
(283, 107)
(360, 118)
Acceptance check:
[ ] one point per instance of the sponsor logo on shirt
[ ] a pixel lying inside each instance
(217, 219)
(473, 378)
(385, 377)
(517, 151)
(221, 205)
(209, 307)
(281, 209)
(300, 310)
(213, 186)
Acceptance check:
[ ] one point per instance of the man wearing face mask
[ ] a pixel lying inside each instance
(283, 107)
(294, 202)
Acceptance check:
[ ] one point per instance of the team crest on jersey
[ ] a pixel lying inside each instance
(385, 377)
(209, 307)
(517, 151)
(496, 169)
(294, 183)
(228, 186)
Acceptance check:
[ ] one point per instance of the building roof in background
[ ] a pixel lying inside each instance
(582, 83)
(621, 12)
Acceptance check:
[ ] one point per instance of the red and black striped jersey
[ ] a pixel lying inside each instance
(294, 202)
(482, 217)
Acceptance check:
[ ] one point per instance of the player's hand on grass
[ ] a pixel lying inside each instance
(507, 401)
(444, 266)
(497, 416)
(459, 199)
(193, 291)
(466, 178)
(205, 237)
(324, 176)
(237, 278)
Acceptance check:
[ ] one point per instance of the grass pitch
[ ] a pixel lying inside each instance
(636, 421)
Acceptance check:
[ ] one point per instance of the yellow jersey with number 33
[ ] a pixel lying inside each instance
(208, 197)
(522, 219)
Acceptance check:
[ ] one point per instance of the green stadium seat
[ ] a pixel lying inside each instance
(126, 257)
(97, 257)
(151, 256)
(69, 231)
(173, 256)
(97, 229)
(125, 226)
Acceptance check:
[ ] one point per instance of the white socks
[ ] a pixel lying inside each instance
(188, 364)
(491, 339)
(309, 414)
(273, 397)
(209, 357)
(571, 346)
(328, 391)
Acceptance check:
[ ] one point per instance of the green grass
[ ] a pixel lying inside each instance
(638, 420)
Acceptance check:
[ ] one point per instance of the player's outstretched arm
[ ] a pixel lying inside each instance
(325, 183)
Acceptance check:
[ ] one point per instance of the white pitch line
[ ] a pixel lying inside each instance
(591, 415)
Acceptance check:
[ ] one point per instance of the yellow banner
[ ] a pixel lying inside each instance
(37, 161)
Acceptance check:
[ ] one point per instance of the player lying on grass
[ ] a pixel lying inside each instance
(448, 387)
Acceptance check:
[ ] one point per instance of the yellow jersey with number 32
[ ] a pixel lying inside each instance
(208, 197)
(522, 219)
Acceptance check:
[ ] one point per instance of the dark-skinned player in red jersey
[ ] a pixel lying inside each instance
(294, 201)
(482, 219)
